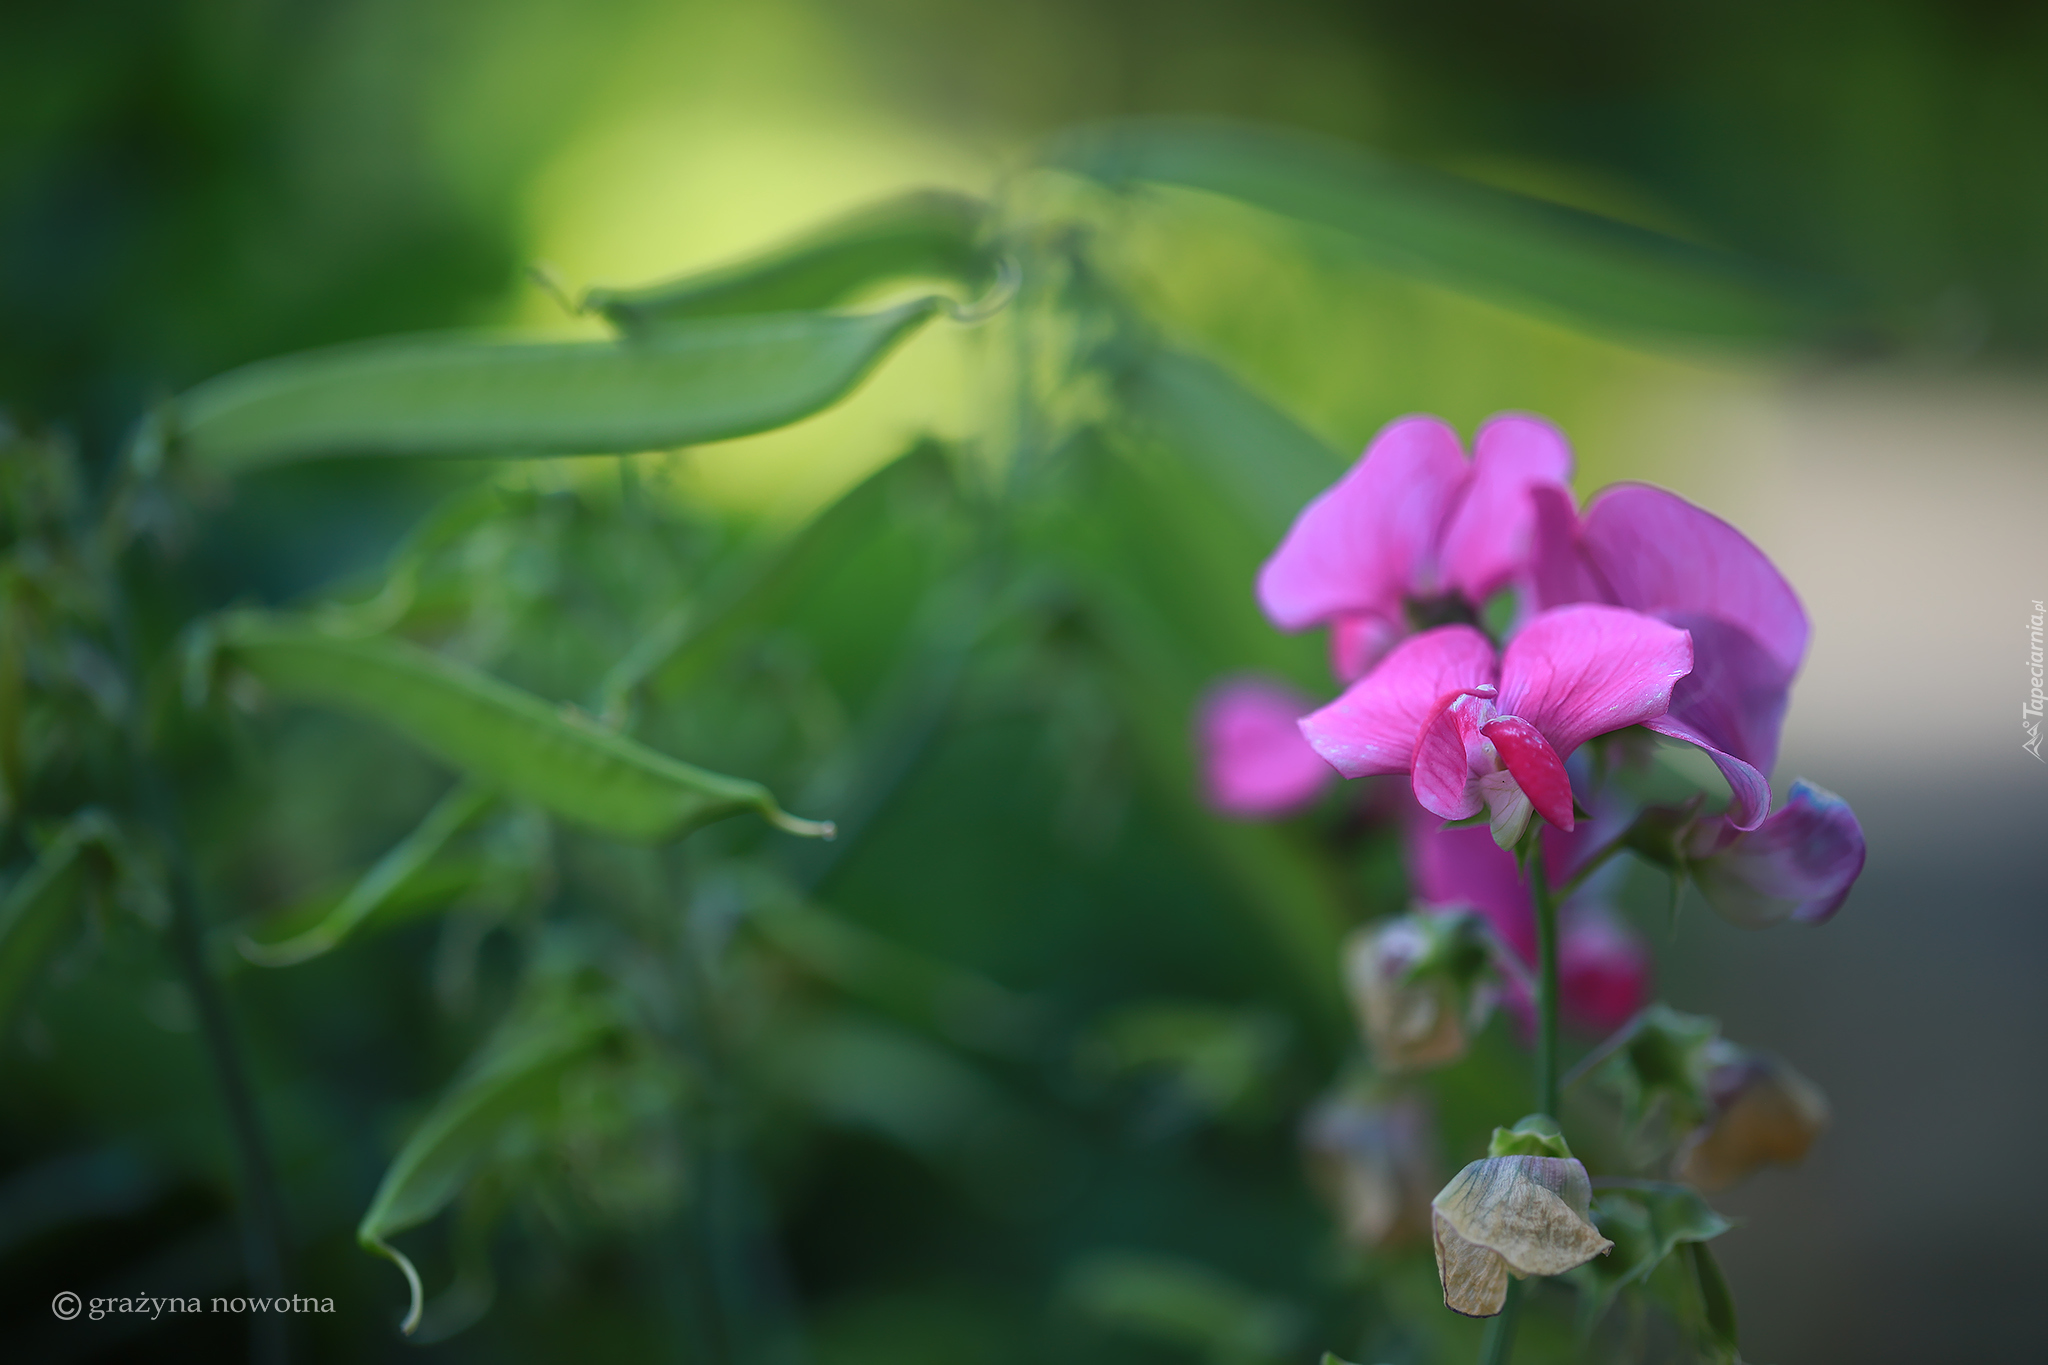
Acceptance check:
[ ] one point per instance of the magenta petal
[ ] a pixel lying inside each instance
(1749, 790)
(1255, 764)
(1537, 769)
(1659, 553)
(1558, 572)
(1580, 671)
(1797, 865)
(1358, 642)
(1454, 867)
(1374, 726)
(1369, 540)
(1488, 539)
(1735, 695)
(1442, 770)
(1603, 969)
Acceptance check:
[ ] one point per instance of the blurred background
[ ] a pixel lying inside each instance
(186, 187)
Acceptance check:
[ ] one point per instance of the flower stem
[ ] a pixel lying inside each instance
(1546, 992)
(1500, 1330)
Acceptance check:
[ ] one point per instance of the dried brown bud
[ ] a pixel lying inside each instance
(1413, 982)
(1511, 1215)
(1763, 1113)
(1374, 1161)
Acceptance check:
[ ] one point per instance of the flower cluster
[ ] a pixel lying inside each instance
(1525, 667)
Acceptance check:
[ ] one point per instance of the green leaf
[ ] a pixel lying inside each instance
(1508, 247)
(1715, 1299)
(701, 380)
(923, 235)
(1261, 458)
(380, 884)
(1646, 1220)
(520, 1076)
(40, 906)
(506, 739)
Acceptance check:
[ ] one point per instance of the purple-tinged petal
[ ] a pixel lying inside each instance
(1603, 969)
(1659, 553)
(1584, 670)
(1370, 540)
(1453, 867)
(1255, 764)
(1749, 790)
(1358, 642)
(1797, 865)
(1487, 542)
(1450, 748)
(1374, 726)
(1736, 693)
(1558, 572)
(1535, 766)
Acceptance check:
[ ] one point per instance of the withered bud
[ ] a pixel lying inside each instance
(1761, 1113)
(1414, 982)
(1375, 1162)
(1511, 1215)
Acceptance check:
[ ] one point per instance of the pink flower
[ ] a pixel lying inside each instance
(1255, 763)
(1603, 969)
(1413, 534)
(1654, 552)
(1797, 865)
(1479, 731)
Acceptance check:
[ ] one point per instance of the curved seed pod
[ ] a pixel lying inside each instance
(1511, 1215)
(705, 379)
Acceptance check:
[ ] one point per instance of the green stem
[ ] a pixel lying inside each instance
(1546, 991)
(1500, 1331)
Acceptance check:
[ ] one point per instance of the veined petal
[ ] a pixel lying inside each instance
(1660, 553)
(1798, 865)
(1442, 771)
(1374, 726)
(1255, 764)
(1736, 693)
(1487, 542)
(1535, 766)
(1580, 671)
(1369, 540)
(1532, 1211)
(1749, 790)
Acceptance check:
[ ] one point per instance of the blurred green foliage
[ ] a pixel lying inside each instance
(1009, 1071)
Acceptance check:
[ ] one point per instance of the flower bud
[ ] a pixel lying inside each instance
(1511, 1215)
(1762, 1113)
(1414, 982)
(1374, 1162)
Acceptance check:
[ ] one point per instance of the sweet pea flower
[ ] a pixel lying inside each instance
(1413, 535)
(1523, 1210)
(1763, 1113)
(1799, 864)
(1255, 763)
(1603, 969)
(1476, 730)
(1415, 982)
(1374, 1160)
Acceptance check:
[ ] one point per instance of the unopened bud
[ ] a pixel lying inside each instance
(1762, 1113)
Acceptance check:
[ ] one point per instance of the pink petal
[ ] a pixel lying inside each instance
(1442, 772)
(1603, 969)
(1749, 790)
(1735, 695)
(1358, 642)
(1371, 539)
(1558, 572)
(1659, 553)
(1487, 542)
(1374, 726)
(1797, 865)
(1584, 670)
(1536, 767)
(1453, 867)
(1255, 764)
